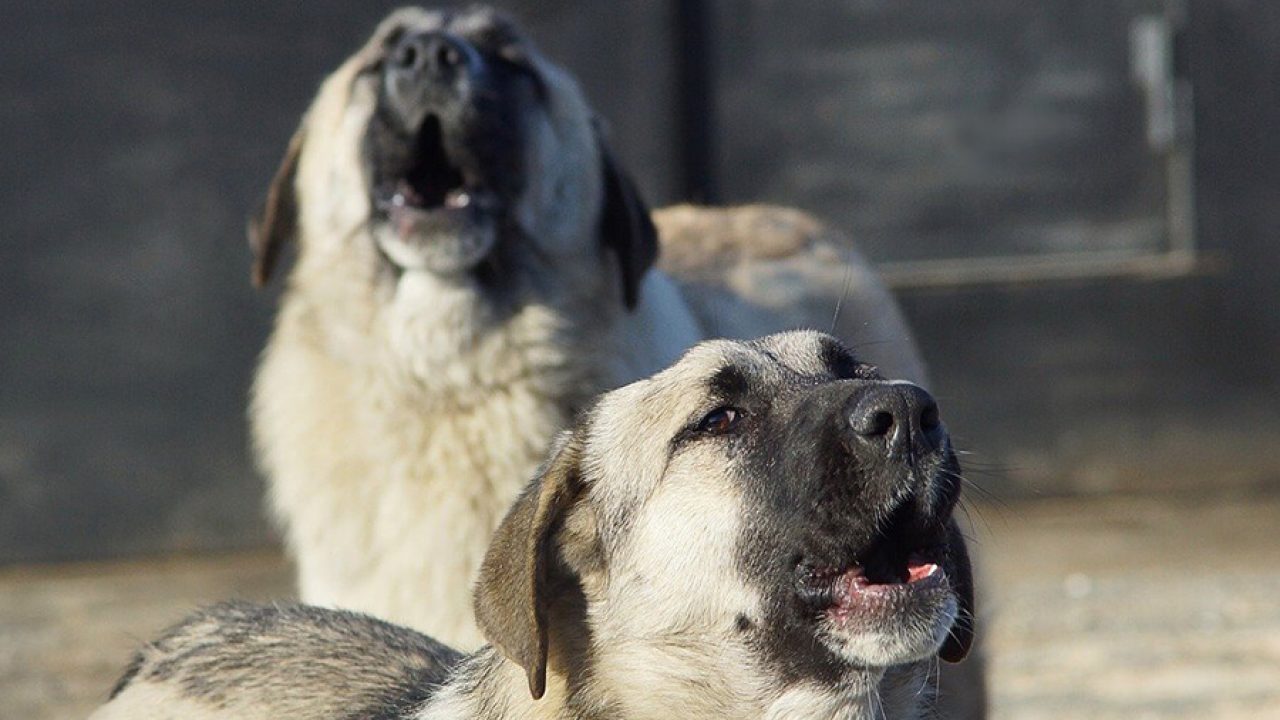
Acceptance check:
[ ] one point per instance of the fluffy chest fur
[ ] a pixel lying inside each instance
(389, 479)
(396, 443)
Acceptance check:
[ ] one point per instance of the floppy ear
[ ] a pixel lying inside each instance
(277, 219)
(625, 226)
(960, 574)
(512, 594)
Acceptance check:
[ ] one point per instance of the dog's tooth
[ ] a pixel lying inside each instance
(458, 199)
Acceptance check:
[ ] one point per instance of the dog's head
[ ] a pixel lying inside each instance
(448, 148)
(759, 516)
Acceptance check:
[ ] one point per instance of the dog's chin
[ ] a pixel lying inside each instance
(446, 241)
(897, 608)
(883, 624)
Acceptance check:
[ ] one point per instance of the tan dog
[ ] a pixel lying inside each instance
(473, 266)
(763, 530)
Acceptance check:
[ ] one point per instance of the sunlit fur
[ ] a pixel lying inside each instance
(645, 595)
(396, 414)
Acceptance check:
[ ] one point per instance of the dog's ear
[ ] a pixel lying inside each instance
(276, 221)
(960, 574)
(625, 225)
(512, 593)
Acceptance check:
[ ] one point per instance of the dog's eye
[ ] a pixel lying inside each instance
(720, 420)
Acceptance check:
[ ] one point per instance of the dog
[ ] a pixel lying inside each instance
(762, 530)
(473, 266)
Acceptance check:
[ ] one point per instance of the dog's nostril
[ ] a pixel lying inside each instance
(438, 54)
(895, 413)
(878, 423)
(447, 56)
(407, 56)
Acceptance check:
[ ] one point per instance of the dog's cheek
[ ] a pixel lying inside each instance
(557, 201)
(581, 549)
(960, 573)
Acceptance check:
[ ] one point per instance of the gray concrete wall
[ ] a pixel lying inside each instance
(140, 134)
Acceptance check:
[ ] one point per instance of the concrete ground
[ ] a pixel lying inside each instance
(1102, 608)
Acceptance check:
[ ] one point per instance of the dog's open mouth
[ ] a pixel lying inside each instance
(858, 592)
(878, 583)
(901, 566)
(439, 213)
(433, 188)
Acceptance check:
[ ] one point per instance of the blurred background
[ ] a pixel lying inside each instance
(1076, 202)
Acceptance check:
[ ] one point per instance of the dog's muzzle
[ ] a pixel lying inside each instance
(429, 148)
(429, 70)
(880, 562)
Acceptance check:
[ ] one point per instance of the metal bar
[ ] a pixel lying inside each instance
(1035, 268)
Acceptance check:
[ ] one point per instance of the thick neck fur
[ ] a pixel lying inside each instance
(375, 397)
(593, 674)
(488, 687)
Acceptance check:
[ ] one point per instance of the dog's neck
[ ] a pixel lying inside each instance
(451, 343)
(488, 687)
(460, 347)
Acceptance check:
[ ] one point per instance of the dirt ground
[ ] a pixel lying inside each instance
(1100, 608)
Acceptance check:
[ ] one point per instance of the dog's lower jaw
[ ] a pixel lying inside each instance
(917, 640)
(452, 248)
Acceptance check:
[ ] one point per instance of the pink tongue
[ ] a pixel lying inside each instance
(919, 571)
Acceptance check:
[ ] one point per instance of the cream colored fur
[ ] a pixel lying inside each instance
(663, 593)
(622, 560)
(396, 418)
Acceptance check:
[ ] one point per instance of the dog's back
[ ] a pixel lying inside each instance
(752, 270)
(250, 661)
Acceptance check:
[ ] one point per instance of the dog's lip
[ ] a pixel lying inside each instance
(840, 591)
(402, 197)
(432, 177)
(856, 600)
(404, 211)
(853, 583)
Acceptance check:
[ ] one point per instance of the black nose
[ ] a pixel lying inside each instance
(897, 417)
(434, 55)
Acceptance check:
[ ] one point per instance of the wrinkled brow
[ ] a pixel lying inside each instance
(728, 382)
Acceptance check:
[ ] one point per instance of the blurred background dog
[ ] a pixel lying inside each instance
(473, 266)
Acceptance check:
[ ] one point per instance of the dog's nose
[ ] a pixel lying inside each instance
(896, 417)
(434, 55)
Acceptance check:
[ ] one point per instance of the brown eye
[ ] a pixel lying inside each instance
(720, 420)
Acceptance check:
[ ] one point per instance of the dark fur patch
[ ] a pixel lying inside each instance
(842, 362)
(728, 383)
(130, 672)
(338, 664)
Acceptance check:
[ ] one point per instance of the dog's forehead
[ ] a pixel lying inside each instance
(405, 19)
(763, 363)
(701, 368)
(812, 353)
(662, 403)
(485, 27)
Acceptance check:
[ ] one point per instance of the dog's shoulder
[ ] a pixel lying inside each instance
(244, 660)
